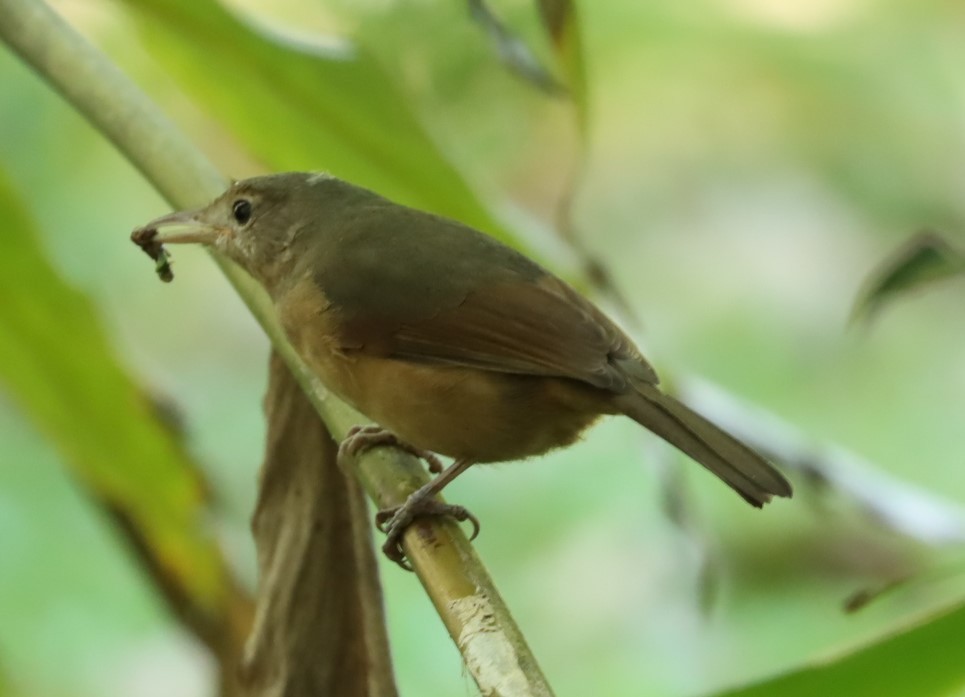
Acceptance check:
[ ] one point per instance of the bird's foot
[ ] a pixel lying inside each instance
(361, 438)
(394, 521)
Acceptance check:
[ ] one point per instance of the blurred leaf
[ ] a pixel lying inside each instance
(923, 260)
(888, 501)
(56, 362)
(937, 570)
(863, 597)
(513, 51)
(559, 18)
(923, 660)
(302, 109)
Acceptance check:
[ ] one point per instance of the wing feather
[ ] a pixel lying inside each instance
(472, 301)
(532, 328)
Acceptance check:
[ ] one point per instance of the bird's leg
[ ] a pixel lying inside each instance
(394, 521)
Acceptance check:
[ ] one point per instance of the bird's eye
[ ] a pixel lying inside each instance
(241, 210)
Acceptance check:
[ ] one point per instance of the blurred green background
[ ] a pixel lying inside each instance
(749, 162)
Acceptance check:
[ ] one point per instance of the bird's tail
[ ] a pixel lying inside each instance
(749, 474)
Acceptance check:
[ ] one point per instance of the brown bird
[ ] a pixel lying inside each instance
(451, 341)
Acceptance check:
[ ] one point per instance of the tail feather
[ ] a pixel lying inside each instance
(745, 471)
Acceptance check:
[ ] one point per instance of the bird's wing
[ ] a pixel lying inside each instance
(431, 290)
(540, 327)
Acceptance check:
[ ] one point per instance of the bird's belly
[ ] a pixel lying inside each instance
(483, 416)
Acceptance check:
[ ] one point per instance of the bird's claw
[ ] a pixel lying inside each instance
(394, 521)
(361, 438)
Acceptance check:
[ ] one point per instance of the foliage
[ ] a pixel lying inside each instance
(923, 260)
(733, 144)
(111, 433)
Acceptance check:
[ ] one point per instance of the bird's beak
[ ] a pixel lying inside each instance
(191, 229)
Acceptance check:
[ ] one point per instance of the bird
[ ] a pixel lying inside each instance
(452, 342)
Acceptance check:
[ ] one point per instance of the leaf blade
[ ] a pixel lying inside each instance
(59, 367)
(301, 110)
(922, 660)
(923, 260)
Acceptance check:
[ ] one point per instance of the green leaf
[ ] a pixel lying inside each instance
(923, 260)
(57, 364)
(924, 660)
(5, 688)
(302, 109)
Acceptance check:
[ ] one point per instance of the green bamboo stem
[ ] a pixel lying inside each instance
(494, 649)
